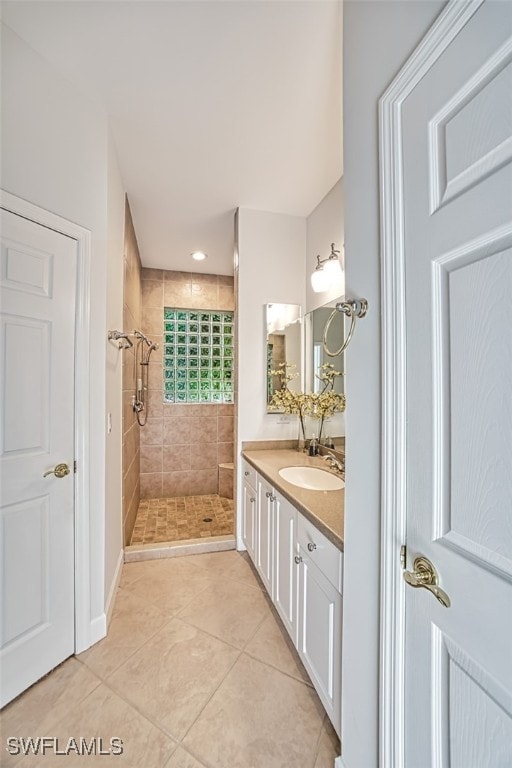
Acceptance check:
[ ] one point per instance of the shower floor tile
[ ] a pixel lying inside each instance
(183, 517)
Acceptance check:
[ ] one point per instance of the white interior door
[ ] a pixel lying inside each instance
(37, 336)
(457, 176)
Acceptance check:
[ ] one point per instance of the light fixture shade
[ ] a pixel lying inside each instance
(320, 280)
(333, 269)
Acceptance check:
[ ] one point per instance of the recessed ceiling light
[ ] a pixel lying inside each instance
(199, 256)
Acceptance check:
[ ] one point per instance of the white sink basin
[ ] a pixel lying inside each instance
(312, 478)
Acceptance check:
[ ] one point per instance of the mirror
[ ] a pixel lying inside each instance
(284, 345)
(315, 357)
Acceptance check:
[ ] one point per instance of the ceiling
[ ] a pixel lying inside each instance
(212, 105)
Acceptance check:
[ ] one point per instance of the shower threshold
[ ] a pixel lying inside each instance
(136, 552)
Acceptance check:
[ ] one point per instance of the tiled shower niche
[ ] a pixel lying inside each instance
(198, 356)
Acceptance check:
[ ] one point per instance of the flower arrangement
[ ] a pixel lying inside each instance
(320, 405)
(327, 402)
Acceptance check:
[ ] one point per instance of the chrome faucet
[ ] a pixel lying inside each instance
(335, 463)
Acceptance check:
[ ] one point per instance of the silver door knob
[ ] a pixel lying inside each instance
(425, 575)
(298, 559)
(59, 470)
(311, 546)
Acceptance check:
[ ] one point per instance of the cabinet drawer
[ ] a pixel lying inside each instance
(249, 474)
(321, 551)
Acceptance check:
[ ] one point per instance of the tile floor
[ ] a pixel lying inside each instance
(183, 517)
(196, 672)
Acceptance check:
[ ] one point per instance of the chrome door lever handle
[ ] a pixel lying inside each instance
(425, 575)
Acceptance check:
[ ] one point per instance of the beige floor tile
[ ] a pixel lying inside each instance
(45, 703)
(132, 572)
(242, 570)
(103, 714)
(172, 677)
(329, 747)
(173, 585)
(230, 610)
(272, 645)
(183, 759)
(216, 562)
(258, 718)
(134, 621)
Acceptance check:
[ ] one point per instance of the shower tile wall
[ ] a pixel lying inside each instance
(181, 445)
(132, 318)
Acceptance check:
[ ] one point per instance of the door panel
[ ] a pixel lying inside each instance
(249, 519)
(37, 321)
(471, 724)
(469, 388)
(285, 575)
(265, 523)
(32, 368)
(457, 187)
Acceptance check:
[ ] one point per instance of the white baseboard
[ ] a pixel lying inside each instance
(98, 629)
(109, 606)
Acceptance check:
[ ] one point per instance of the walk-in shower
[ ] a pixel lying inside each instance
(143, 347)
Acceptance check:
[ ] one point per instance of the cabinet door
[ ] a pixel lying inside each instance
(320, 635)
(285, 567)
(264, 549)
(249, 517)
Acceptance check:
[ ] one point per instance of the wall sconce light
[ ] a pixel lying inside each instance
(327, 272)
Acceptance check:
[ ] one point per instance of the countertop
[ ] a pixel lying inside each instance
(325, 509)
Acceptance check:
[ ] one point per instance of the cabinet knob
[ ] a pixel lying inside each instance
(311, 547)
(298, 559)
(252, 501)
(246, 473)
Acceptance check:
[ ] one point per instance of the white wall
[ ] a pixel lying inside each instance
(378, 37)
(271, 268)
(114, 377)
(55, 154)
(325, 225)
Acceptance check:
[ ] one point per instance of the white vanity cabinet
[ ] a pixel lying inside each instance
(249, 508)
(302, 571)
(320, 614)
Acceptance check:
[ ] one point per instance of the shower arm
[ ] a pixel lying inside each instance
(122, 336)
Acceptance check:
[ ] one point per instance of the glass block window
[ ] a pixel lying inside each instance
(198, 356)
